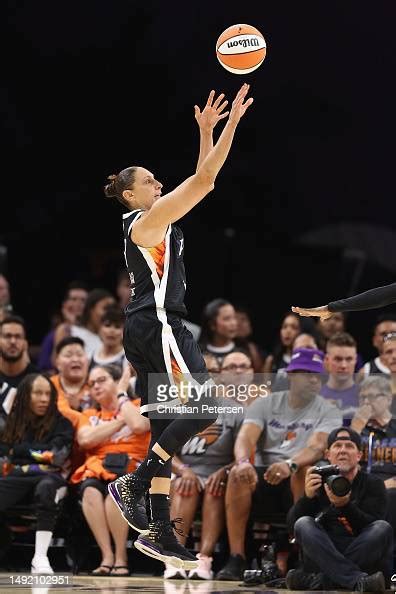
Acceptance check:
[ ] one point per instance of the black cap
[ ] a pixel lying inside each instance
(352, 436)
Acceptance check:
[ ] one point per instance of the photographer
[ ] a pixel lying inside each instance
(344, 539)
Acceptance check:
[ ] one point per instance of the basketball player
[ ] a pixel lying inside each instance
(372, 299)
(155, 339)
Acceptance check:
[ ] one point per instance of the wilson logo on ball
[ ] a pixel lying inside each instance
(241, 49)
(251, 42)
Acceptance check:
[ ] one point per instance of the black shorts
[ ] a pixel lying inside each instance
(271, 499)
(157, 342)
(96, 483)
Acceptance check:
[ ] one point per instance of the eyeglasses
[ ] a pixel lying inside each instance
(371, 397)
(233, 367)
(99, 380)
(388, 336)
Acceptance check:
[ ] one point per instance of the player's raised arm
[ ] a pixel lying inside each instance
(371, 299)
(150, 229)
(207, 119)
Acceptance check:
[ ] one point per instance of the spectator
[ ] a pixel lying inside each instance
(202, 466)
(123, 288)
(88, 326)
(327, 328)
(385, 324)
(219, 329)
(373, 420)
(287, 431)
(115, 437)
(71, 310)
(245, 333)
(281, 355)
(344, 539)
(14, 360)
(331, 326)
(111, 328)
(302, 341)
(36, 443)
(305, 341)
(389, 357)
(5, 295)
(212, 365)
(340, 362)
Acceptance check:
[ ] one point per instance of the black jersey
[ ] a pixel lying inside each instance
(158, 278)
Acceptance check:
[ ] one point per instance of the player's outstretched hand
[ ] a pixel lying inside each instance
(321, 312)
(212, 113)
(240, 104)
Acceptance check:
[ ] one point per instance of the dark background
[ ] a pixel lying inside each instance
(90, 87)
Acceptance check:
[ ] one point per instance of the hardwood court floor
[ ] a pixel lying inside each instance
(122, 585)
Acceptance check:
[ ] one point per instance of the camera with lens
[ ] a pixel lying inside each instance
(269, 570)
(330, 473)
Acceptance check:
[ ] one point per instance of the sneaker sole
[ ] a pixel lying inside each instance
(198, 578)
(174, 561)
(114, 497)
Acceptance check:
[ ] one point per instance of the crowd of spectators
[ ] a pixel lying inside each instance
(70, 423)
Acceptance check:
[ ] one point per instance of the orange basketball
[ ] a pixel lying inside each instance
(241, 49)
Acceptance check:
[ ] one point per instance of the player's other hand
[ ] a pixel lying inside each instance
(240, 104)
(212, 113)
(321, 312)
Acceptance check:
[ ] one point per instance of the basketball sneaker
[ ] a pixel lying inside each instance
(204, 569)
(161, 543)
(128, 493)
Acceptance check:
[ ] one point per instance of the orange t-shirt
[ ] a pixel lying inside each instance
(122, 441)
(77, 456)
(63, 402)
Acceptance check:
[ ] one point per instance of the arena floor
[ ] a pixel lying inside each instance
(120, 585)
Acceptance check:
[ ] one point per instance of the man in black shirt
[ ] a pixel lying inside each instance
(344, 539)
(14, 360)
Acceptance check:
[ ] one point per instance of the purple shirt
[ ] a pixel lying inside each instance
(346, 400)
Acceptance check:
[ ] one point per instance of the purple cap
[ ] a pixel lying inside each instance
(306, 360)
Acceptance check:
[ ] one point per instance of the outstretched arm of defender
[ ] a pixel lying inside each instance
(150, 228)
(371, 299)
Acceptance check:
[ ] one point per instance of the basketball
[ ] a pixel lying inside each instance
(241, 49)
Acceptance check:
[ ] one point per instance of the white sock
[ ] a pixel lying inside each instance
(43, 539)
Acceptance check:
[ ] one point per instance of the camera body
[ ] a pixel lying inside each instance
(267, 573)
(330, 473)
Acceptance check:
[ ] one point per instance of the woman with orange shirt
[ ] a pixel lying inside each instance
(115, 437)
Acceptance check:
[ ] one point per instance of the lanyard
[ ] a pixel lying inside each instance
(370, 451)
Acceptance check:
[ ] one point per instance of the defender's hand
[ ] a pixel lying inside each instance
(313, 482)
(212, 112)
(320, 312)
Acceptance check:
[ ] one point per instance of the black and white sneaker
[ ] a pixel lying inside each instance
(128, 493)
(161, 543)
